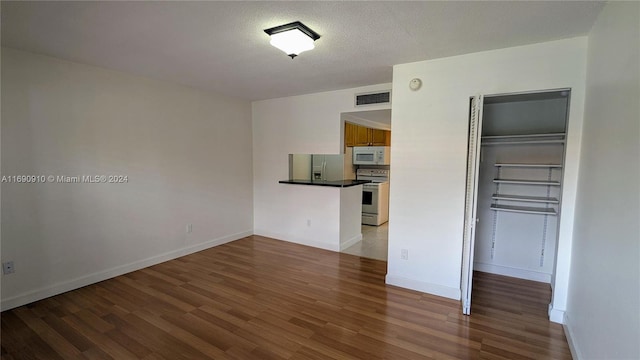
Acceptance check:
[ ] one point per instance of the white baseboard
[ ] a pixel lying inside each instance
(61, 287)
(556, 316)
(513, 272)
(306, 242)
(568, 333)
(354, 240)
(434, 289)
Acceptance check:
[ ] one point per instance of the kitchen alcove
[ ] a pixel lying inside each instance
(368, 128)
(514, 186)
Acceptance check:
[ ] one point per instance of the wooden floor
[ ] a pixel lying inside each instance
(259, 298)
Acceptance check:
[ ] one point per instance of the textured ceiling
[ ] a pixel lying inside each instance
(221, 46)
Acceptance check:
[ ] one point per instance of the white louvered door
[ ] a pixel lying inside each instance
(470, 202)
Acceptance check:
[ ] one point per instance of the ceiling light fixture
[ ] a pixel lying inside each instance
(292, 38)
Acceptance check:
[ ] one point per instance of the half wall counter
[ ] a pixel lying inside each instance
(325, 199)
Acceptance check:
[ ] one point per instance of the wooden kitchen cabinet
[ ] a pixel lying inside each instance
(350, 134)
(377, 137)
(356, 135)
(362, 136)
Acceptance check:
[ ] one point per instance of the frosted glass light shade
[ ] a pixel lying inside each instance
(293, 38)
(292, 42)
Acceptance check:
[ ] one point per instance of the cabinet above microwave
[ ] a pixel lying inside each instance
(371, 155)
(357, 135)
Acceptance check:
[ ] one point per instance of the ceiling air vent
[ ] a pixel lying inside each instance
(383, 97)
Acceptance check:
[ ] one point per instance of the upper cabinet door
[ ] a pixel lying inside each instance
(349, 134)
(362, 136)
(377, 137)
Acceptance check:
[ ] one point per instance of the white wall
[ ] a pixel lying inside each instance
(350, 216)
(187, 155)
(299, 124)
(602, 318)
(429, 155)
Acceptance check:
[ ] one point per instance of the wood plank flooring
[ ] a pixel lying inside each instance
(259, 298)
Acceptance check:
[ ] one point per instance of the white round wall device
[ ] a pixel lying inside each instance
(415, 84)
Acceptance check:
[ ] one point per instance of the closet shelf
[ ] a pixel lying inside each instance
(527, 182)
(530, 165)
(524, 209)
(523, 142)
(537, 199)
(553, 138)
(523, 136)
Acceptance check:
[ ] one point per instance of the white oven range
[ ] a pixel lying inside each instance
(375, 196)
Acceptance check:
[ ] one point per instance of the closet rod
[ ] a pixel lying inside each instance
(528, 165)
(522, 142)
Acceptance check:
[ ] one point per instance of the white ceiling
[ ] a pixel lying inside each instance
(221, 46)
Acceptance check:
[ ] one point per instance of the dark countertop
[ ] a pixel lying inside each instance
(339, 183)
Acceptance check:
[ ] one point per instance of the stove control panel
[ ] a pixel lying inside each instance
(373, 172)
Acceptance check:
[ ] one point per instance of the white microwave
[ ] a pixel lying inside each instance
(371, 155)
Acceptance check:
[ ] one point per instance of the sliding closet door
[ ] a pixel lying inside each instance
(471, 198)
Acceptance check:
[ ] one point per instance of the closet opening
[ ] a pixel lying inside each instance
(514, 187)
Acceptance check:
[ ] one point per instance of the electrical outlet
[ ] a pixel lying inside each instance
(404, 254)
(189, 228)
(8, 268)
(309, 222)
